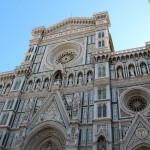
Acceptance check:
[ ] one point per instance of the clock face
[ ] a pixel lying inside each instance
(68, 54)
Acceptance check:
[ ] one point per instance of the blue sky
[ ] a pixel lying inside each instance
(130, 22)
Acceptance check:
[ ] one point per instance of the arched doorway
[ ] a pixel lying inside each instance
(101, 143)
(143, 148)
(47, 139)
(51, 143)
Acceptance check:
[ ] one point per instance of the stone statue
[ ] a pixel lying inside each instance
(7, 89)
(30, 86)
(143, 68)
(46, 84)
(80, 79)
(24, 133)
(38, 85)
(125, 129)
(70, 81)
(120, 73)
(131, 71)
(41, 118)
(89, 78)
(57, 82)
(49, 147)
(101, 147)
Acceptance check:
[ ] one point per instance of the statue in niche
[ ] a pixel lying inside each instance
(70, 81)
(80, 79)
(24, 133)
(120, 73)
(131, 71)
(29, 86)
(89, 77)
(41, 118)
(57, 81)
(46, 84)
(143, 69)
(38, 85)
(7, 89)
(49, 146)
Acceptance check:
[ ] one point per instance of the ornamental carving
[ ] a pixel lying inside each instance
(141, 133)
(137, 103)
(68, 54)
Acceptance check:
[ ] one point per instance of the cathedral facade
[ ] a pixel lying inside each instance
(73, 91)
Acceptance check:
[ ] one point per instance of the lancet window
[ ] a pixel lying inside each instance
(102, 110)
(101, 71)
(102, 93)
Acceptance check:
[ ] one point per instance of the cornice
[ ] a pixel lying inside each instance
(73, 21)
(130, 81)
(23, 70)
(7, 75)
(84, 24)
(99, 54)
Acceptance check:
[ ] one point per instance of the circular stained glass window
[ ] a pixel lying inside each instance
(137, 103)
(65, 57)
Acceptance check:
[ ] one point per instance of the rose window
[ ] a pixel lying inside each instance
(68, 54)
(137, 103)
(65, 57)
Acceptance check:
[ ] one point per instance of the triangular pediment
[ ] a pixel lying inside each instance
(52, 110)
(68, 27)
(72, 23)
(138, 132)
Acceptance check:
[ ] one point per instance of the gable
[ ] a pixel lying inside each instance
(139, 132)
(69, 25)
(52, 110)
